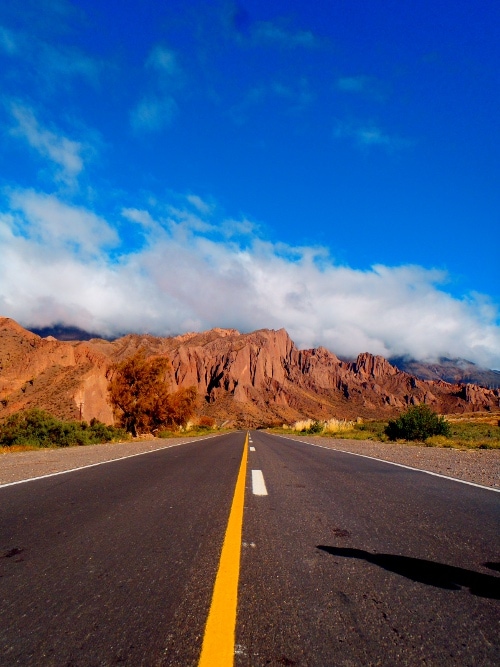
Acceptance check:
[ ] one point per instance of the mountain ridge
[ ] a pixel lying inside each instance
(454, 370)
(251, 379)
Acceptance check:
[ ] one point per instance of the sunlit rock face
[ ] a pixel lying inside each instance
(243, 378)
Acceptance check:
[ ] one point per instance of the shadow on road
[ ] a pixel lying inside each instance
(427, 571)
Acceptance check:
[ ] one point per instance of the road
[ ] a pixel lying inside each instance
(353, 564)
(345, 561)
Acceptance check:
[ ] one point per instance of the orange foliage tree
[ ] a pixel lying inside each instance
(207, 422)
(141, 399)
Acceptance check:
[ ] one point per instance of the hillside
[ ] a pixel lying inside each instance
(456, 371)
(251, 379)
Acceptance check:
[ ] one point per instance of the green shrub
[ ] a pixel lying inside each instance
(40, 429)
(315, 427)
(417, 423)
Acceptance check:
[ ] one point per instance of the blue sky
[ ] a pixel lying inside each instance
(329, 167)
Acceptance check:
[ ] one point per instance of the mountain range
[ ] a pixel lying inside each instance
(248, 379)
(456, 371)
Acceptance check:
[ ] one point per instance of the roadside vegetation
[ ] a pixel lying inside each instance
(479, 431)
(143, 408)
(35, 429)
(417, 425)
(203, 426)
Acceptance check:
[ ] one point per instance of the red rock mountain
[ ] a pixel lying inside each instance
(251, 379)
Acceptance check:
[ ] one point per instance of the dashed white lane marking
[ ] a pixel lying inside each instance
(258, 484)
(252, 449)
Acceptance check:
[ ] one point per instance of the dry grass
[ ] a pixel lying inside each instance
(334, 425)
(302, 425)
(479, 430)
(471, 434)
(491, 418)
(20, 448)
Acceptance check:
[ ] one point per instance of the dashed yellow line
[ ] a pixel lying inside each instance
(219, 638)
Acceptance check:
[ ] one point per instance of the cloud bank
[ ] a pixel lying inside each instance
(192, 271)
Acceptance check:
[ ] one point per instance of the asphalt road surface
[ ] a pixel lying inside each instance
(344, 561)
(358, 562)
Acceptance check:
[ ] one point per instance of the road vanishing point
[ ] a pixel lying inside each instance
(248, 550)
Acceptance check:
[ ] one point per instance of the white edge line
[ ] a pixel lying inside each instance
(100, 463)
(392, 463)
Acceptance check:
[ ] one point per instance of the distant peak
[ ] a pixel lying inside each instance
(224, 332)
(64, 332)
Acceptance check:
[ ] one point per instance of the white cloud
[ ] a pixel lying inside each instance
(46, 221)
(55, 267)
(59, 64)
(63, 152)
(354, 84)
(182, 222)
(367, 85)
(296, 97)
(8, 41)
(231, 228)
(153, 113)
(163, 60)
(158, 107)
(200, 205)
(139, 216)
(268, 31)
(370, 135)
(37, 63)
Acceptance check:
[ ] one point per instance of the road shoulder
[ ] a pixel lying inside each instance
(17, 466)
(475, 466)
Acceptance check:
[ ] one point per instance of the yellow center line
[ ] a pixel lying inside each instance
(218, 641)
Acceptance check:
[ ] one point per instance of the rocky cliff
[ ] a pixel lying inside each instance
(252, 379)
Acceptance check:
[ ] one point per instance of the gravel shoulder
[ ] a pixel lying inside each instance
(480, 466)
(477, 466)
(18, 466)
